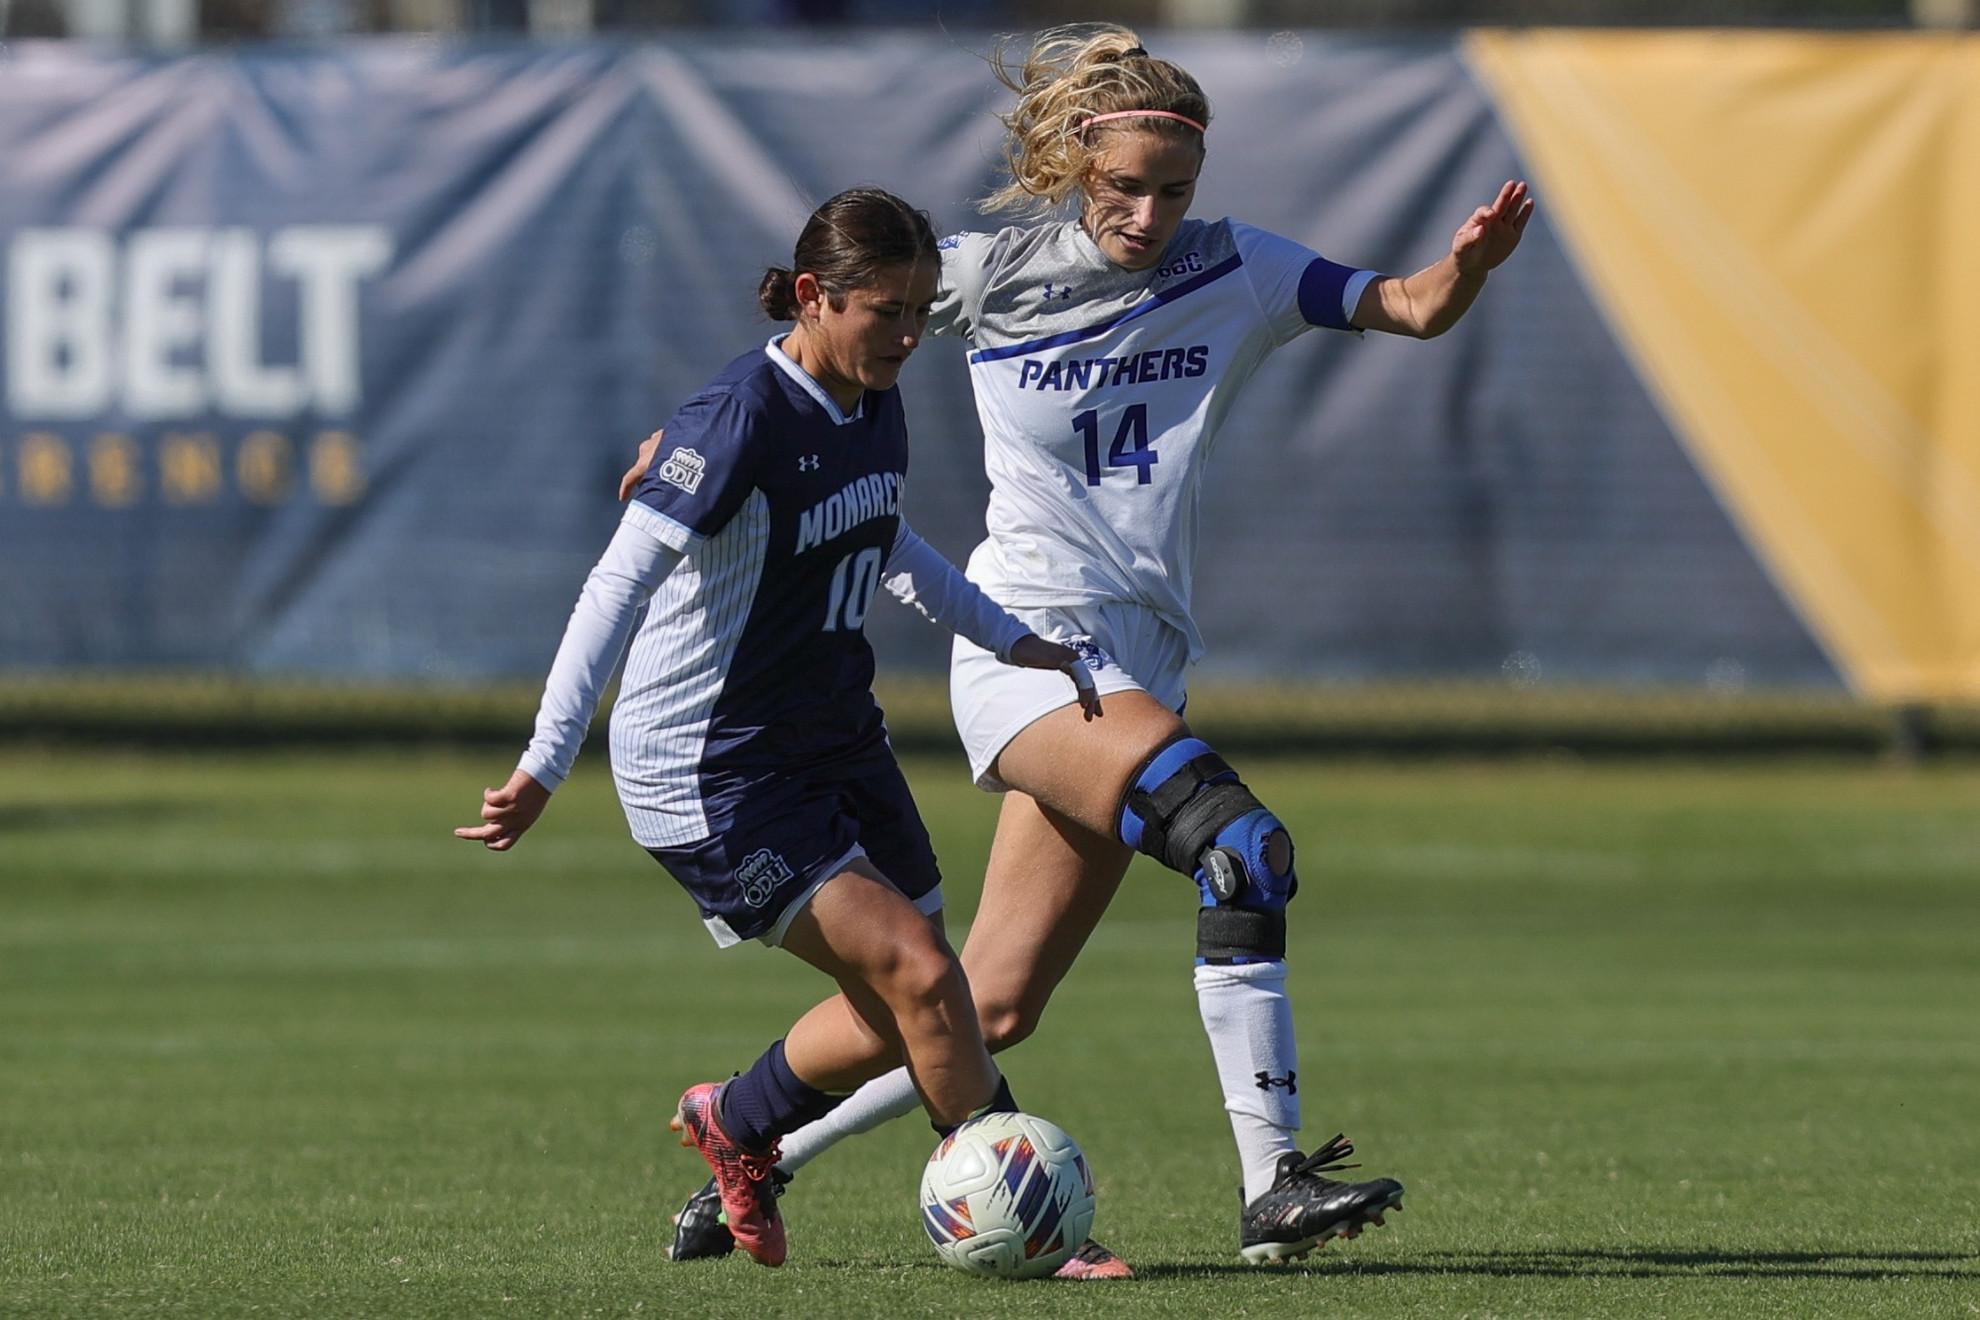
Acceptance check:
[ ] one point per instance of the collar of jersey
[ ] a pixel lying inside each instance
(784, 363)
(1147, 305)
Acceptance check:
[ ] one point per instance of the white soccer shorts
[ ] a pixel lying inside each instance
(1127, 646)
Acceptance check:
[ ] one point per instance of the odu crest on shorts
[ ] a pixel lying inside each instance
(785, 835)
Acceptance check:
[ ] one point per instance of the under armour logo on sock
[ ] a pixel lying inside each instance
(1266, 1081)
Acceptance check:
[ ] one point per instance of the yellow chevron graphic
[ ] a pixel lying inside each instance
(1783, 230)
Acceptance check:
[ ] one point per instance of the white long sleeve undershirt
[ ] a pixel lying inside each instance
(918, 576)
(632, 569)
(625, 578)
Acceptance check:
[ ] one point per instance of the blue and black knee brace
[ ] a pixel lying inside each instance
(1186, 808)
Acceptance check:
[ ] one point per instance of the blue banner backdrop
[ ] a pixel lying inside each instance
(327, 361)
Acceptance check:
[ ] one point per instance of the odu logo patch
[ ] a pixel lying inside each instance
(684, 468)
(762, 871)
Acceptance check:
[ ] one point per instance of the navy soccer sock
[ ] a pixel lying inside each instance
(1000, 1103)
(761, 1105)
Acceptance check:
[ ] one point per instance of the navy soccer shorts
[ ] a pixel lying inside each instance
(777, 838)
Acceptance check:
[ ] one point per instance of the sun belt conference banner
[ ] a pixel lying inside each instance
(326, 361)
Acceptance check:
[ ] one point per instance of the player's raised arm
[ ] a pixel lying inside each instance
(1431, 301)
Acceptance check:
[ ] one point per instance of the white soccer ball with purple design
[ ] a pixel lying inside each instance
(1007, 1195)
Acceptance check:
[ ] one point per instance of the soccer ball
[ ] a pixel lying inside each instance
(1007, 1195)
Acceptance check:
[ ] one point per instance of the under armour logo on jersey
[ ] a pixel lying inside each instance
(684, 468)
(807, 462)
(1063, 292)
(1266, 1081)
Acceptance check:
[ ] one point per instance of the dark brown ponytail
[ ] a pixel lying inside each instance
(845, 245)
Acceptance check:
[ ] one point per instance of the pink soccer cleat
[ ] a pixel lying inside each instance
(749, 1196)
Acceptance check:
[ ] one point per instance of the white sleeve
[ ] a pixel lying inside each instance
(966, 262)
(1295, 292)
(633, 565)
(918, 575)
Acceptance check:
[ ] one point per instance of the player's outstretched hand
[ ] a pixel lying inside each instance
(630, 482)
(1033, 652)
(508, 811)
(1492, 232)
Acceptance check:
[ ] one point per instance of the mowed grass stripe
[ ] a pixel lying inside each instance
(1642, 1040)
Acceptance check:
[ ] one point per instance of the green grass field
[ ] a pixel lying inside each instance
(1662, 1039)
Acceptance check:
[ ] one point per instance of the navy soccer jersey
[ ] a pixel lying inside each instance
(752, 658)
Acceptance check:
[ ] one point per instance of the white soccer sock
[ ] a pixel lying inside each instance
(1249, 1019)
(886, 1097)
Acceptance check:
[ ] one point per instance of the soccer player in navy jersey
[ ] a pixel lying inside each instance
(748, 750)
(1106, 350)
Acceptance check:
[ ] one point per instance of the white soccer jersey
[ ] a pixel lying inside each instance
(1101, 391)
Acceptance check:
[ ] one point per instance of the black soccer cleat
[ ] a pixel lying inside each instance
(701, 1230)
(1304, 1209)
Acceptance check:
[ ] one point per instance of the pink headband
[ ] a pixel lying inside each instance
(1144, 114)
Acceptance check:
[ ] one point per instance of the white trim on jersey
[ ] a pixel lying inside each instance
(917, 574)
(674, 535)
(701, 591)
(784, 362)
(1351, 294)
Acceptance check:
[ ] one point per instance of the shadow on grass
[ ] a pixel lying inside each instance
(1634, 1263)
(29, 817)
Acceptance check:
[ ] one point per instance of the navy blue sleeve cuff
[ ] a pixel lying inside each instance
(1322, 286)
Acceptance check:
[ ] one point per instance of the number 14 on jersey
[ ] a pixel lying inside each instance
(1129, 448)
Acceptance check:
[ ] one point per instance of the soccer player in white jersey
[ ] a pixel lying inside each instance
(749, 753)
(1105, 352)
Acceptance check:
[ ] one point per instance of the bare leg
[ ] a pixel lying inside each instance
(1047, 886)
(837, 1019)
(1055, 865)
(903, 994)
(1056, 862)
(1053, 871)
(1078, 767)
(1078, 771)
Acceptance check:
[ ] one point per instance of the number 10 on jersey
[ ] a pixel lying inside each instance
(854, 581)
(1129, 449)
